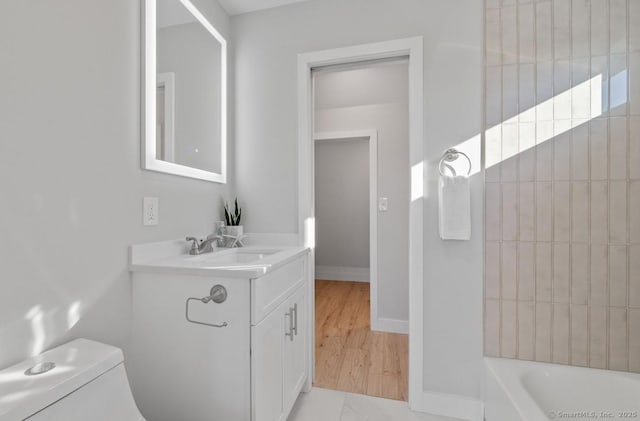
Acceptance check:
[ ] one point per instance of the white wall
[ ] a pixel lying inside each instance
(378, 82)
(342, 205)
(267, 44)
(70, 173)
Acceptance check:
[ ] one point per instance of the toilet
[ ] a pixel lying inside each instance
(78, 381)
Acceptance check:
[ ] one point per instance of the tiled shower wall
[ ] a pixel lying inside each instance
(562, 152)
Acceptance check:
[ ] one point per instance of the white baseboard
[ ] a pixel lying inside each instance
(448, 405)
(390, 325)
(342, 273)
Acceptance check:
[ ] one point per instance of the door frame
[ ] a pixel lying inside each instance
(372, 136)
(413, 48)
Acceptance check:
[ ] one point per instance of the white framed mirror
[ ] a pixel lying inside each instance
(185, 92)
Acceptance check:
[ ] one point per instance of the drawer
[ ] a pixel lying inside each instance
(268, 291)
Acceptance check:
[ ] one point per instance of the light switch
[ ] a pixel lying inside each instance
(383, 204)
(150, 211)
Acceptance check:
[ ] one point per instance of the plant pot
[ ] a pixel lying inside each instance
(234, 230)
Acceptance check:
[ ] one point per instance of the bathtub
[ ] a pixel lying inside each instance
(530, 391)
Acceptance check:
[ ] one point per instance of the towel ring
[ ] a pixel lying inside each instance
(451, 155)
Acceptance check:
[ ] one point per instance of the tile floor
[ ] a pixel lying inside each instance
(333, 405)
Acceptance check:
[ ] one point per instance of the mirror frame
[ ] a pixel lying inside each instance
(149, 74)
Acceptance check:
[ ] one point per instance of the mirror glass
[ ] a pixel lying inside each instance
(186, 92)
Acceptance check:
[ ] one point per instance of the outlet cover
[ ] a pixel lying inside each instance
(150, 211)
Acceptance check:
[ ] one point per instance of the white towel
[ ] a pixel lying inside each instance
(454, 195)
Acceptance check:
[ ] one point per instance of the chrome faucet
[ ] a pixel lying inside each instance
(206, 245)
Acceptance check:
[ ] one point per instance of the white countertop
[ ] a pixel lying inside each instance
(248, 262)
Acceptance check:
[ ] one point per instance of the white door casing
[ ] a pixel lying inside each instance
(413, 48)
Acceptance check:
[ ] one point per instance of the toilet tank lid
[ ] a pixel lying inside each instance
(76, 364)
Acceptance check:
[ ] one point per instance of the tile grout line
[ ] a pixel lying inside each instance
(628, 190)
(500, 198)
(589, 213)
(535, 184)
(552, 177)
(571, 204)
(589, 197)
(570, 269)
(484, 184)
(609, 207)
(517, 177)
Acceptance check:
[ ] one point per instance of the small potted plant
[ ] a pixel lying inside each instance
(232, 219)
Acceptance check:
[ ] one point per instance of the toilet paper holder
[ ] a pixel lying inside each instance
(217, 294)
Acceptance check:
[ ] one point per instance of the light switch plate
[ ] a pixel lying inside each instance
(150, 211)
(383, 204)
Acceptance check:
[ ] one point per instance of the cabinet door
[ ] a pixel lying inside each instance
(295, 350)
(266, 365)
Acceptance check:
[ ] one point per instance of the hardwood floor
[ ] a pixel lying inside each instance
(349, 356)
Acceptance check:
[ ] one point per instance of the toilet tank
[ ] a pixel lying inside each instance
(87, 381)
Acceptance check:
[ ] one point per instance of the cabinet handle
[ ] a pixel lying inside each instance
(290, 315)
(295, 325)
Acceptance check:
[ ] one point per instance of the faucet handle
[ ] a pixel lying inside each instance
(194, 245)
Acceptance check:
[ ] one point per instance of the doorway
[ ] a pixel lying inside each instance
(413, 49)
(361, 341)
(346, 187)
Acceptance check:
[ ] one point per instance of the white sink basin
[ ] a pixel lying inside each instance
(233, 256)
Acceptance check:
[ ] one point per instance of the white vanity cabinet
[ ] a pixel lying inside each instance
(295, 349)
(250, 368)
(279, 358)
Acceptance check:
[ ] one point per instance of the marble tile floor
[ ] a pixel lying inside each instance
(333, 405)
